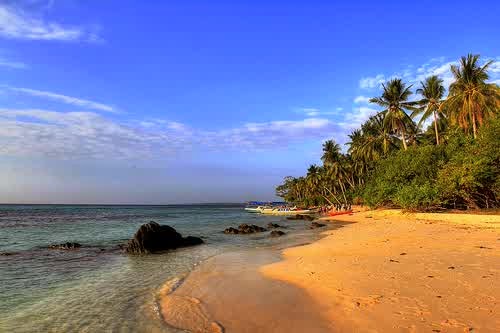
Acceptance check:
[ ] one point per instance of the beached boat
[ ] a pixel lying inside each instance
(285, 211)
(340, 213)
(257, 209)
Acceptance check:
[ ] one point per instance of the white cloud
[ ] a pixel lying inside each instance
(73, 135)
(12, 64)
(361, 100)
(371, 82)
(311, 112)
(314, 112)
(357, 117)
(65, 99)
(339, 108)
(16, 24)
(434, 67)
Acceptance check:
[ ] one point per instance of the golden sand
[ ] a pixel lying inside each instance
(394, 272)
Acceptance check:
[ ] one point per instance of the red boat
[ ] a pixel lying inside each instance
(340, 213)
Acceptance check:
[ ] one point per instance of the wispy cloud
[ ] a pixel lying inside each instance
(361, 100)
(371, 81)
(66, 99)
(415, 74)
(74, 135)
(12, 64)
(357, 117)
(17, 24)
(315, 112)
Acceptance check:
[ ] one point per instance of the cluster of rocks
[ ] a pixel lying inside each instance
(65, 246)
(153, 237)
(301, 217)
(245, 229)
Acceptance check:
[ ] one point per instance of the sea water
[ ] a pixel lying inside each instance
(98, 288)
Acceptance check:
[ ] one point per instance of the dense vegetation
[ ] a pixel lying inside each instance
(391, 161)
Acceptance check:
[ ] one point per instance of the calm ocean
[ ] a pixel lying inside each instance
(97, 288)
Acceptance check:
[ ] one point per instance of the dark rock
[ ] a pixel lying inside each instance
(65, 246)
(245, 229)
(5, 254)
(271, 225)
(231, 230)
(301, 217)
(315, 225)
(277, 233)
(191, 241)
(152, 237)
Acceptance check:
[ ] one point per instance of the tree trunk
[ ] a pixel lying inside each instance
(404, 137)
(436, 128)
(474, 124)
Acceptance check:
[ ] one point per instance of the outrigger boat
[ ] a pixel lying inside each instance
(285, 211)
(257, 209)
(259, 206)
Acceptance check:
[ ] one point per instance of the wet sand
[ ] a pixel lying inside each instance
(229, 294)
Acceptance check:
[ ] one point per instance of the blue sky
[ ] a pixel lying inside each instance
(198, 101)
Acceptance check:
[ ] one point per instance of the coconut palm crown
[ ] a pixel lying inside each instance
(471, 99)
(432, 91)
(394, 99)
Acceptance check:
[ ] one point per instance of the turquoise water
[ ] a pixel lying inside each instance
(98, 288)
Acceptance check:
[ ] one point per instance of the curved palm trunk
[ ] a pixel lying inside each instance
(436, 128)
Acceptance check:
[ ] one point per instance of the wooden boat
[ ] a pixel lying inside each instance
(340, 213)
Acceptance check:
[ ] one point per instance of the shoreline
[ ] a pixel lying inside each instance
(227, 293)
(383, 272)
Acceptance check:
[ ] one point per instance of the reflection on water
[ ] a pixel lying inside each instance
(98, 288)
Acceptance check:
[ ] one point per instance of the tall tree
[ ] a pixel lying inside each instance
(331, 152)
(471, 99)
(395, 101)
(432, 91)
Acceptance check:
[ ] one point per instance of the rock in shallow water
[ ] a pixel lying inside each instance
(65, 246)
(277, 233)
(152, 237)
(301, 217)
(271, 225)
(245, 229)
(315, 225)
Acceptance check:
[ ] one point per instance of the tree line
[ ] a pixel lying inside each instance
(392, 161)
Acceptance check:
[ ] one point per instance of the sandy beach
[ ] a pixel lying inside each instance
(390, 272)
(377, 271)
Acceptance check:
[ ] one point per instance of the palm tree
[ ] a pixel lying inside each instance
(331, 152)
(432, 91)
(471, 99)
(395, 101)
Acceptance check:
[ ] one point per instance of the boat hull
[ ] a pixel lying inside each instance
(285, 212)
(253, 210)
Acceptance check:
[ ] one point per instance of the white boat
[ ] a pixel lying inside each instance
(285, 211)
(256, 209)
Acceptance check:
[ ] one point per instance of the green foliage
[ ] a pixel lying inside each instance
(472, 176)
(404, 178)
